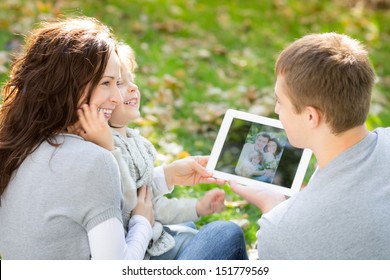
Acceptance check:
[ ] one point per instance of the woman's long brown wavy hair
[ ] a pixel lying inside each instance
(61, 61)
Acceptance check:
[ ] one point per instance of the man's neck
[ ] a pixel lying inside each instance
(330, 146)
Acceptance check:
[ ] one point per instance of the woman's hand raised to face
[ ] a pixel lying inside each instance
(94, 127)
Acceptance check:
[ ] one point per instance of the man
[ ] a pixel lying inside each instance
(323, 92)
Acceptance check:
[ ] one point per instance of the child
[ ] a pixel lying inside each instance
(135, 156)
(247, 167)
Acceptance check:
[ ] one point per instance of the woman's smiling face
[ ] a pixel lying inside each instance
(106, 96)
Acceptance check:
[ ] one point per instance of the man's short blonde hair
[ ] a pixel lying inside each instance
(332, 73)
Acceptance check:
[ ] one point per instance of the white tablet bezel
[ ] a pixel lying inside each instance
(221, 138)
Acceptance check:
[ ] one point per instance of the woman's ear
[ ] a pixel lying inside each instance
(313, 116)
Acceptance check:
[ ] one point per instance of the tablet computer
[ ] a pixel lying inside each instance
(254, 150)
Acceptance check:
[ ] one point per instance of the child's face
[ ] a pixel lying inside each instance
(128, 110)
(106, 95)
(255, 160)
(293, 123)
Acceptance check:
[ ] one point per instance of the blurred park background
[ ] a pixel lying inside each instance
(197, 58)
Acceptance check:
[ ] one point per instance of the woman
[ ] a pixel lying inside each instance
(57, 188)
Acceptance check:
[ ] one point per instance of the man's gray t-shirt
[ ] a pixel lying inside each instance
(343, 213)
(55, 197)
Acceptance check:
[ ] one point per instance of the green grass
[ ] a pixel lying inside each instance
(198, 58)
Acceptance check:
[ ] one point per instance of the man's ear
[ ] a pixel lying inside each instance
(313, 116)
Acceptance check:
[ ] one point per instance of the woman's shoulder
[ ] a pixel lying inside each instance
(73, 147)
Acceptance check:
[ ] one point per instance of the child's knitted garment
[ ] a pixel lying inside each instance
(136, 163)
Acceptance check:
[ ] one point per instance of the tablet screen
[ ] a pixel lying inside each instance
(255, 150)
(251, 147)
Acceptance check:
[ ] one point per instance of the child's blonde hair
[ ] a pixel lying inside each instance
(256, 155)
(127, 58)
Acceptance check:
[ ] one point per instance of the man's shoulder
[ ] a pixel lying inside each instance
(385, 131)
(383, 138)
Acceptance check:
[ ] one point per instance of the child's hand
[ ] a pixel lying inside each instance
(212, 202)
(94, 127)
(190, 171)
(144, 205)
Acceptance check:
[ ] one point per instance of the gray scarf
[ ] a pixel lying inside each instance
(139, 156)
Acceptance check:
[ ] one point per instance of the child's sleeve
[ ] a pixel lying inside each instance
(174, 211)
(160, 184)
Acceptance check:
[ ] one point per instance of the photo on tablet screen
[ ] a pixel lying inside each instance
(255, 150)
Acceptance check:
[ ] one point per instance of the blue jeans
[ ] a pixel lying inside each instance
(219, 240)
